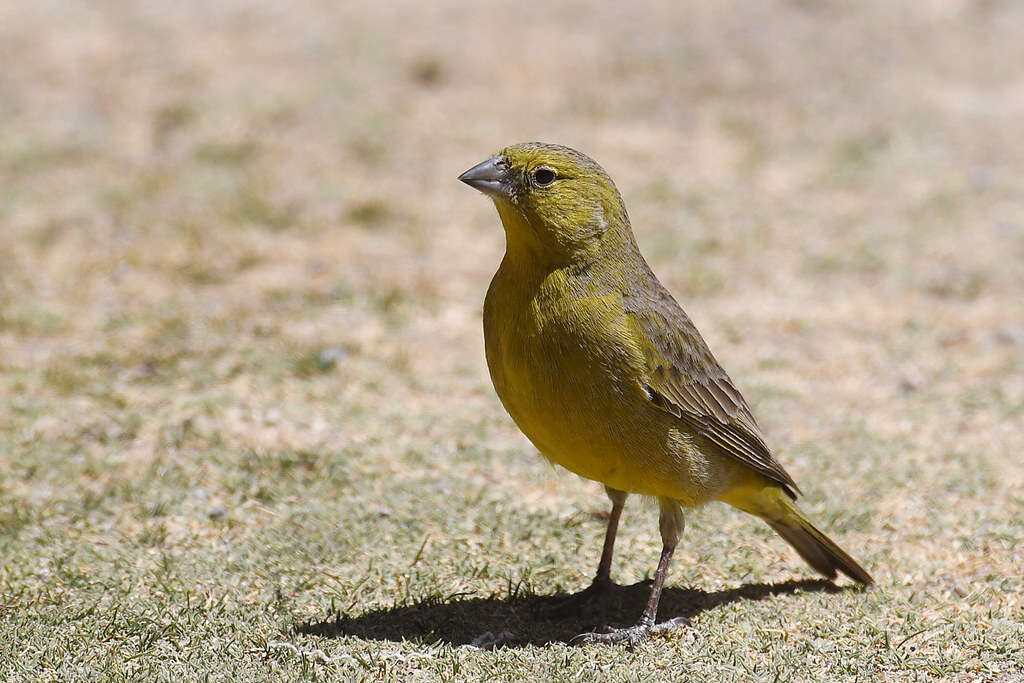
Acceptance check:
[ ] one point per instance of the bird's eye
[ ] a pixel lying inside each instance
(543, 176)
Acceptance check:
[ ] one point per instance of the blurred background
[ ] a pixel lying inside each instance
(240, 293)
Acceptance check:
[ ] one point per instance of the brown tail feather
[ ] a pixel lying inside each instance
(772, 504)
(819, 551)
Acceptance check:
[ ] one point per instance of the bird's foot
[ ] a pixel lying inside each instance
(633, 635)
(575, 603)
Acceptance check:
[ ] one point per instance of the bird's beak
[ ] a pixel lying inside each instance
(490, 177)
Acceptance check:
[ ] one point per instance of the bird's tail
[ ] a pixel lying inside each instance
(775, 507)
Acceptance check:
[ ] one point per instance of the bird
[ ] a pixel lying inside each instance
(603, 371)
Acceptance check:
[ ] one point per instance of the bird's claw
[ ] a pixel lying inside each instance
(631, 636)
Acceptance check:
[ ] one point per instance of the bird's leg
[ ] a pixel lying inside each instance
(602, 582)
(671, 525)
(604, 567)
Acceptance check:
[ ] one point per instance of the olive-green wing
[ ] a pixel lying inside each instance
(684, 379)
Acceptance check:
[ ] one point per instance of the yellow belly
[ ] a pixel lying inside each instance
(570, 381)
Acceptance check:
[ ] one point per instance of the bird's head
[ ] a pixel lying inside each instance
(553, 201)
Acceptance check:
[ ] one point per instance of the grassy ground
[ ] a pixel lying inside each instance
(246, 429)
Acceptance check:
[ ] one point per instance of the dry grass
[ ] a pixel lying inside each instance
(245, 425)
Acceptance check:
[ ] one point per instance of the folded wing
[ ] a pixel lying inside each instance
(684, 379)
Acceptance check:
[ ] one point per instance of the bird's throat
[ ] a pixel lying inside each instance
(521, 238)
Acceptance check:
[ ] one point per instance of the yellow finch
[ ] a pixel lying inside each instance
(608, 377)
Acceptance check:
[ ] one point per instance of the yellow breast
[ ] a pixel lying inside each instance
(569, 373)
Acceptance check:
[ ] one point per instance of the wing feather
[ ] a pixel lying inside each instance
(684, 379)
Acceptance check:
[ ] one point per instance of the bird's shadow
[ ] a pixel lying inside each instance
(519, 621)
